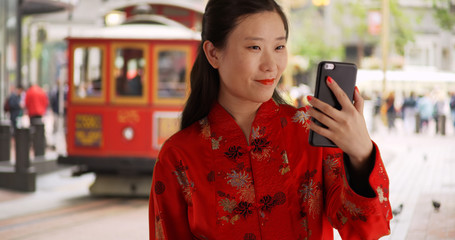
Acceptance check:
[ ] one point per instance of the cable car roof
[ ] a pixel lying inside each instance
(139, 31)
(187, 4)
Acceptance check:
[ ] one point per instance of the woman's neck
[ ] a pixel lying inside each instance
(243, 114)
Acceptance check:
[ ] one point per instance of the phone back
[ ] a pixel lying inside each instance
(345, 75)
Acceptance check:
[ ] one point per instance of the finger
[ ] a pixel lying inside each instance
(358, 101)
(324, 107)
(321, 130)
(341, 96)
(321, 117)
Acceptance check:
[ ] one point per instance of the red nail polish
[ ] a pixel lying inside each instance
(357, 89)
(309, 97)
(329, 79)
(307, 108)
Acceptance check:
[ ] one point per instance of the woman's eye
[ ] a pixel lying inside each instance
(280, 47)
(255, 47)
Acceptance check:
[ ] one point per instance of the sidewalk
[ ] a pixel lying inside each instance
(41, 164)
(421, 170)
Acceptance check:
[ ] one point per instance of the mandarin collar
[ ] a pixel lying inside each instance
(221, 119)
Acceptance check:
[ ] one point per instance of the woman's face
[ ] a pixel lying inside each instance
(253, 60)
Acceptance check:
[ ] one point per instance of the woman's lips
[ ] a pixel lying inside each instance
(266, 81)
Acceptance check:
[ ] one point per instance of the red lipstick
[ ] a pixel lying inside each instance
(266, 81)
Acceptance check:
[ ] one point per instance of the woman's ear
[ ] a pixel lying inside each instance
(211, 53)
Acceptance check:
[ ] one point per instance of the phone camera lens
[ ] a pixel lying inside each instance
(329, 66)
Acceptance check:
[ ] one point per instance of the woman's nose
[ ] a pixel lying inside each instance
(268, 63)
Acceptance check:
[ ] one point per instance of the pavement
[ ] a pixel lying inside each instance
(421, 169)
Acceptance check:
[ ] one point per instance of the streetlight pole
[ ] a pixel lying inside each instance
(385, 42)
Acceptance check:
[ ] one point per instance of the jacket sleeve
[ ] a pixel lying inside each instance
(353, 215)
(167, 205)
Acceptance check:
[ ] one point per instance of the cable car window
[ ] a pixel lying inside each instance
(172, 70)
(87, 72)
(129, 71)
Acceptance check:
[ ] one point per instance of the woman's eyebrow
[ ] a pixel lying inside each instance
(261, 39)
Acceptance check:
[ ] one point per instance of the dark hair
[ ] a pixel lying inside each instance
(219, 20)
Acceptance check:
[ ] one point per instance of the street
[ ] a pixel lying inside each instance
(62, 208)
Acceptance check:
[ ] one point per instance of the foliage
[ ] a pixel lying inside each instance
(400, 27)
(444, 12)
(309, 38)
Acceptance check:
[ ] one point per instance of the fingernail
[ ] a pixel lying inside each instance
(329, 79)
(309, 98)
(307, 108)
(357, 89)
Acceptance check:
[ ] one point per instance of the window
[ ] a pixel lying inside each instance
(172, 74)
(88, 83)
(129, 73)
(128, 70)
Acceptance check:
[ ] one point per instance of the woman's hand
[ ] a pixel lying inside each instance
(346, 127)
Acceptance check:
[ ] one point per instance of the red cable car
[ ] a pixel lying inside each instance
(126, 90)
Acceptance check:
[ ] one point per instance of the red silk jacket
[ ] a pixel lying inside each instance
(209, 183)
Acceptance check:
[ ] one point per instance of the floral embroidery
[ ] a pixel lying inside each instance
(205, 128)
(332, 167)
(279, 198)
(238, 180)
(315, 203)
(261, 149)
(267, 203)
(341, 218)
(244, 209)
(159, 187)
(352, 208)
(310, 193)
(260, 144)
(381, 195)
(228, 205)
(249, 236)
(232, 220)
(233, 153)
(257, 132)
(284, 168)
(247, 194)
(303, 118)
(182, 178)
(159, 230)
(307, 190)
(216, 143)
(304, 225)
(332, 164)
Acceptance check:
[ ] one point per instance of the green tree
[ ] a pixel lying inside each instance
(444, 12)
(309, 38)
(401, 28)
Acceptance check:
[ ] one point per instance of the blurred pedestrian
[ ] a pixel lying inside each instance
(438, 113)
(452, 107)
(425, 109)
(408, 112)
(55, 100)
(241, 166)
(391, 110)
(36, 103)
(14, 105)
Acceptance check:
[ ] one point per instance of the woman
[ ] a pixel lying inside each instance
(241, 167)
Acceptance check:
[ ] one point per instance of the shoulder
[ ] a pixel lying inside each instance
(184, 141)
